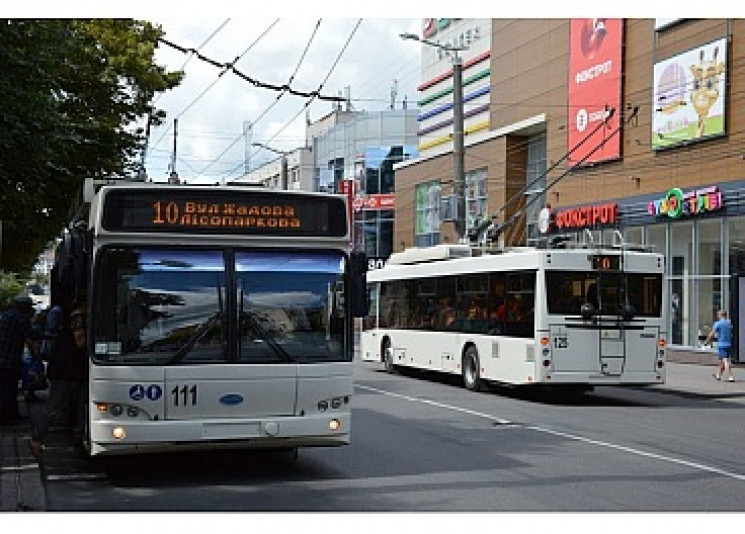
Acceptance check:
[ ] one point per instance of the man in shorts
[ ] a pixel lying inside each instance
(722, 331)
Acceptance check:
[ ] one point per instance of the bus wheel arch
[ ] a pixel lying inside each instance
(386, 355)
(471, 368)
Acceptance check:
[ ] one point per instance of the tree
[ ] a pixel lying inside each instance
(77, 95)
(10, 288)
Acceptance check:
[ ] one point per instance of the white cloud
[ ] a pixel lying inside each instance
(211, 108)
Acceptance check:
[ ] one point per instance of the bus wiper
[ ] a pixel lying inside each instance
(201, 329)
(197, 335)
(264, 335)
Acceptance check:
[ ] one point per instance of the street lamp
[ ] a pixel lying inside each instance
(283, 163)
(459, 176)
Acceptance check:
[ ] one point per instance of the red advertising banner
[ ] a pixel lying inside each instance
(594, 87)
(384, 201)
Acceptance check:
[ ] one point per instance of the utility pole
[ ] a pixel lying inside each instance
(282, 164)
(247, 135)
(173, 177)
(459, 175)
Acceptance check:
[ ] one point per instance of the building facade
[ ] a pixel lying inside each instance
(617, 127)
(355, 156)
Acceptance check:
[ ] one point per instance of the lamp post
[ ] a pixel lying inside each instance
(283, 163)
(459, 176)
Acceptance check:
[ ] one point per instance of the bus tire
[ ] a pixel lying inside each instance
(387, 355)
(471, 369)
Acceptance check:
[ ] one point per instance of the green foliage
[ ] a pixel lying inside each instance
(10, 288)
(74, 92)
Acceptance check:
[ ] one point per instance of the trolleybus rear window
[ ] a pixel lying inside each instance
(607, 292)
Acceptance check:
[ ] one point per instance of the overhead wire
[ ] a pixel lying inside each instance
(225, 69)
(312, 97)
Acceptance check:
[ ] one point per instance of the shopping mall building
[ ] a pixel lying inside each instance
(634, 126)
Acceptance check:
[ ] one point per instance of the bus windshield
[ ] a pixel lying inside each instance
(607, 292)
(169, 306)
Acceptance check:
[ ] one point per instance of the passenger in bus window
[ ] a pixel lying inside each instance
(515, 308)
(476, 316)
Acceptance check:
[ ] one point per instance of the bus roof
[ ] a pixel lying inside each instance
(421, 263)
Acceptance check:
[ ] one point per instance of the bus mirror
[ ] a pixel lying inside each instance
(358, 284)
(587, 310)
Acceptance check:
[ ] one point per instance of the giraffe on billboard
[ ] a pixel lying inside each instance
(705, 90)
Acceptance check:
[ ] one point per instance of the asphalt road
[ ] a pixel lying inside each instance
(422, 443)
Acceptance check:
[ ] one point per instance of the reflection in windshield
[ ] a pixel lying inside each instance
(290, 306)
(166, 306)
(170, 306)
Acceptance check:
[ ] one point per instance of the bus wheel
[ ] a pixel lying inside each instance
(471, 369)
(388, 356)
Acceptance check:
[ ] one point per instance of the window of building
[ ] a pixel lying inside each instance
(475, 197)
(427, 214)
(737, 245)
(633, 235)
(680, 280)
(711, 291)
(535, 182)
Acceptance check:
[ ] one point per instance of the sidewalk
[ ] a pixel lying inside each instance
(22, 489)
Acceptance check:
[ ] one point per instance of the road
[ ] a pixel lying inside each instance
(422, 443)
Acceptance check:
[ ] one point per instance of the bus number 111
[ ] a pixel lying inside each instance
(187, 395)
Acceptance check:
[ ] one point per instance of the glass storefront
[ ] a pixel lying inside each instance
(700, 255)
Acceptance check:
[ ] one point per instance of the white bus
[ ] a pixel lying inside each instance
(570, 317)
(217, 316)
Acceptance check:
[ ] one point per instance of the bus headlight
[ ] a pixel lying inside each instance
(334, 424)
(118, 433)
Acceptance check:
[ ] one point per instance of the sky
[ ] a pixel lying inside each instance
(362, 57)
(329, 45)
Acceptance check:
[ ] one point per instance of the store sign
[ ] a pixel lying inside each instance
(374, 202)
(594, 89)
(587, 216)
(676, 204)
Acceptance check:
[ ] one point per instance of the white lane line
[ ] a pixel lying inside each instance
(630, 450)
(437, 404)
(73, 477)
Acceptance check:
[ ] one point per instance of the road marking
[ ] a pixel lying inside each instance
(437, 405)
(75, 477)
(630, 450)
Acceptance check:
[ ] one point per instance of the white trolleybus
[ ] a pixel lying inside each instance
(570, 317)
(217, 316)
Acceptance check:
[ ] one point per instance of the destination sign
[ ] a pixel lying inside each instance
(606, 263)
(218, 211)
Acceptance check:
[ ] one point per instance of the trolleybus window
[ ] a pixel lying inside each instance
(159, 306)
(291, 306)
(568, 290)
(494, 303)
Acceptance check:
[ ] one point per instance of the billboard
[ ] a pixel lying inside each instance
(594, 88)
(689, 96)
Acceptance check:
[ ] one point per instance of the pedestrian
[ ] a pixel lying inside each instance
(33, 373)
(66, 370)
(15, 332)
(722, 331)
